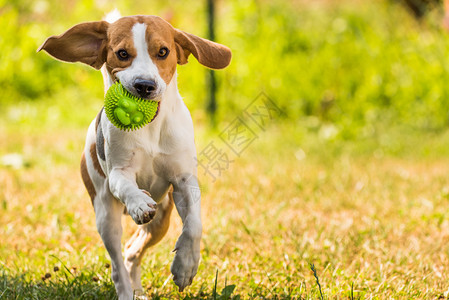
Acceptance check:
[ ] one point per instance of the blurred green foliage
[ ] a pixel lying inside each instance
(347, 65)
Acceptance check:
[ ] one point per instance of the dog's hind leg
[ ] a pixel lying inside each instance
(146, 236)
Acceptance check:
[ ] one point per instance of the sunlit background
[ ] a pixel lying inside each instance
(350, 173)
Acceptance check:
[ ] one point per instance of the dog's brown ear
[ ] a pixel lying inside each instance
(208, 53)
(85, 42)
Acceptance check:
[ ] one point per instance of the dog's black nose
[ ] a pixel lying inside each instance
(144, 87)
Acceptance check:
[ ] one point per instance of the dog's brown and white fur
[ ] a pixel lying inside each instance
(148, 170)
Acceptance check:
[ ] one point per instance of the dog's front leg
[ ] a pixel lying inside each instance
(108, 213)
(139, 204)
(186, 195)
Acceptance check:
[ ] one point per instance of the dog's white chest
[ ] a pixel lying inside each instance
(156, 154)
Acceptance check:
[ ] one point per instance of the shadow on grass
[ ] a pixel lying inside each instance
(66, 284)
(63, 286)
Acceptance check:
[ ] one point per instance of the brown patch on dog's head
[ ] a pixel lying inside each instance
(96, 43)
(159, 38)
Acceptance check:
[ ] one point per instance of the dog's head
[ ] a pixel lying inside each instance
(139, 51)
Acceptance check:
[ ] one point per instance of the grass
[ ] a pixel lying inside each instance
(374, 223)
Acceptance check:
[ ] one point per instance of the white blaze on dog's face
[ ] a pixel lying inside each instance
(139, 51)
(142, 55)
(142, 77)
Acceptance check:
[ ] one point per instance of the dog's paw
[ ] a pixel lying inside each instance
(185, 263)
(139, 295)
(142, 209)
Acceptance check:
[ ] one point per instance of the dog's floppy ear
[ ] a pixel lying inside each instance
(208, 53)
(85, 42)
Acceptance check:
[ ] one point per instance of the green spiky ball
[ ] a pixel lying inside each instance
(126, 111)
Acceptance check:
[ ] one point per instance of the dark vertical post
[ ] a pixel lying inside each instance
(212, 101)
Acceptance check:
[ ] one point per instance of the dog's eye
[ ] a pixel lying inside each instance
(122, 54)
(163, 52)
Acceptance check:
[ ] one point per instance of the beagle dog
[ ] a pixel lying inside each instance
(147, 171)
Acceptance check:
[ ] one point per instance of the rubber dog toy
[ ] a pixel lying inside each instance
(126, 111)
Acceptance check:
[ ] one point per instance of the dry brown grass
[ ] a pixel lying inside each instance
(380, 224)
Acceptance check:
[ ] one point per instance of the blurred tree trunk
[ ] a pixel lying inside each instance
(212, 101)
(420, 7)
